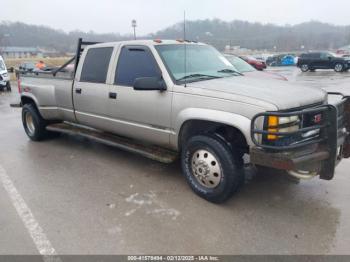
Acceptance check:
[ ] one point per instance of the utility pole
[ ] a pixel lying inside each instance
(134, 24)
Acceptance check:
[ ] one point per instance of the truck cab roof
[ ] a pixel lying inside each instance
(154, 42)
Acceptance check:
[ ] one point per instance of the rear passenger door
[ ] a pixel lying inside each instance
(143, 115)
(317, 61)
(90, 92)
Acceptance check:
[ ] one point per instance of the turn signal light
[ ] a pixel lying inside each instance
(272, 127)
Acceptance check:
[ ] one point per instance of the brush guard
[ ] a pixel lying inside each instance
(314, 155)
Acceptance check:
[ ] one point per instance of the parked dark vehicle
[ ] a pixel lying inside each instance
(257, 64)
(323, 60)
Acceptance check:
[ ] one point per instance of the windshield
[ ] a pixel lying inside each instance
(2, 65)
(332, 54)
(241, 65)
(202, 62)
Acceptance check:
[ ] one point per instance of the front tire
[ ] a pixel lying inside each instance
(212, 169)
(8, 86)
(33, 123)
(338, 67)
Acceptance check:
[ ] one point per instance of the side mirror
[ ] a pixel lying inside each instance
(149, 83)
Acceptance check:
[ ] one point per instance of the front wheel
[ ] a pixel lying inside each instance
(33, 123)
(338, 67)
(212, 170)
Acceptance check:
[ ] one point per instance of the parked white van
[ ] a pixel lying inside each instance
(4, 76)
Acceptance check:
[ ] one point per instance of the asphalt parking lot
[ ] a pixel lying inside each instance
(81, 197)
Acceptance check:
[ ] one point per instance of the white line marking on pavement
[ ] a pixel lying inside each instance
(36, 232)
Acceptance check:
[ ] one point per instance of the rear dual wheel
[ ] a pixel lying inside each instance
(33, 123)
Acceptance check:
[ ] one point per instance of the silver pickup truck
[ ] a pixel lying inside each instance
(166, 99)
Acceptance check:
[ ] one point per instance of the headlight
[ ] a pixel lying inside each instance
(282, 125)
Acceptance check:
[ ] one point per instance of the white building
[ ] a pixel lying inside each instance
(19, 52)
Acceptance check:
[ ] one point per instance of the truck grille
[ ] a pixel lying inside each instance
(327, 124)
(314, 123)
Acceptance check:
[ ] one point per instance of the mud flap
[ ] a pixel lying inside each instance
(346, 146)
(328, 166)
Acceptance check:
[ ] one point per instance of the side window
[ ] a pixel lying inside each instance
(135, 62)
(324, 56)
(315, 55)
(96, 64)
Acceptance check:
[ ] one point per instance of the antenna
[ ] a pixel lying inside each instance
(185, 49)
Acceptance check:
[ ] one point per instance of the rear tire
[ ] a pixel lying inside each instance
(8, 86)
(212, 169)
(33, 123)
(338, 67)
(304, 67)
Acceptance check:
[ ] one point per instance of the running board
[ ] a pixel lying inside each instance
(149, 151)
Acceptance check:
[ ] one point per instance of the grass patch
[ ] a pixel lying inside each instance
(55, 61)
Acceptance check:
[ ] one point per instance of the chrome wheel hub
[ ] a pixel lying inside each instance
(206, 168)
(30, 124)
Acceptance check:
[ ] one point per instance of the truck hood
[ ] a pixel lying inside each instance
(282, 94)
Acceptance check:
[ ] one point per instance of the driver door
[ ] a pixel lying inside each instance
(142, 115)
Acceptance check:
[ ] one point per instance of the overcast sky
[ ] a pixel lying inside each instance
(115, 15)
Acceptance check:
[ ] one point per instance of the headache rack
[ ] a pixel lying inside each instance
(334, 126)
(76, 58)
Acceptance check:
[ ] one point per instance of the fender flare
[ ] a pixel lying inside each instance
(30, 96)
(237, 121)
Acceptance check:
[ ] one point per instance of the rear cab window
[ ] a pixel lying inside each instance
(135, 62)
(96, 64)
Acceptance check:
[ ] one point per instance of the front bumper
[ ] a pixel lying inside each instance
(320, 154)
(4, 80)
(3, 83)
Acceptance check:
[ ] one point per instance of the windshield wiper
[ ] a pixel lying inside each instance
(229, 71)
(198, 76)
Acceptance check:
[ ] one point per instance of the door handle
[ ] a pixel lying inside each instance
(112, 95)
(78, 90)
